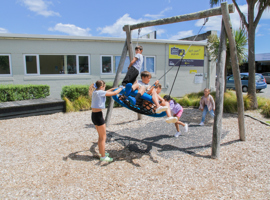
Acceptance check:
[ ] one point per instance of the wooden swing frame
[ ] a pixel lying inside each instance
(226, 31)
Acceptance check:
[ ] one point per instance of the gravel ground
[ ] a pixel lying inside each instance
(55, 157)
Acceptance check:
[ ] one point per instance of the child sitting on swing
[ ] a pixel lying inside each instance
(157, 98)
(143, 86)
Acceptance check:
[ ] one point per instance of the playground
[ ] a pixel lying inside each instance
(55, 157)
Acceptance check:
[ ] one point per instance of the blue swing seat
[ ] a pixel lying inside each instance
(144, 107)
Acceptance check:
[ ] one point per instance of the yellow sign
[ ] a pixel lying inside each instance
(194, 52)
(193, 71)
(194, 56)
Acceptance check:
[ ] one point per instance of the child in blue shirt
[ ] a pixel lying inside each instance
(98, 94)
(176, 110)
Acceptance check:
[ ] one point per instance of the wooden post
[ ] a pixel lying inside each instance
(129, 41)
(236, 72)
(217, 128)
(115, 83)
(130, 50)
(181, 18)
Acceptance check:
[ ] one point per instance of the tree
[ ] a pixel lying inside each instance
(250, 24)
(240, 37)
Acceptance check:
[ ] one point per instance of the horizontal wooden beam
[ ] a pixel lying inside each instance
(181, 18)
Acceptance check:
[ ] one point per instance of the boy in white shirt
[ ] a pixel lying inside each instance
(134, 67)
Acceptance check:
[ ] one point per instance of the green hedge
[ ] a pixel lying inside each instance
(73, 92)
(23, 92)
(76, 97)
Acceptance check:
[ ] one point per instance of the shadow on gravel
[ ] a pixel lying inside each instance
(117, 155)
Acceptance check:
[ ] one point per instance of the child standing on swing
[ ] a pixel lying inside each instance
(98, 93)
(134, 67)
(177, 111)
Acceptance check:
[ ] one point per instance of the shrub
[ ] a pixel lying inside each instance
(77, 98)
(69, 105)
(23, 92)
(266, 109)
(73, 92)
(230, 102)
(82, 103)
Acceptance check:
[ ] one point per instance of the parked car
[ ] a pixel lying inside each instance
(266, 75)
(260, 82)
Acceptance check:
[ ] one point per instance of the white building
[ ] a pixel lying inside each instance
(70, 60)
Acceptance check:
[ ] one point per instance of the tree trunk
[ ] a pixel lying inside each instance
(251, 58)
(217, 128)
(236, 72)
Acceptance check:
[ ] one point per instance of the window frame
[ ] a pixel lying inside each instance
(144, 62)
(10, 66)
(112, 65)
(77, 64)
(37, 60)
(38, 64)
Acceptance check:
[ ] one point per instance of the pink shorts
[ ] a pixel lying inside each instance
(179, 113)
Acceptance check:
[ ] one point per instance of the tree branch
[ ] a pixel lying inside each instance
(242, 16)
(260, 12)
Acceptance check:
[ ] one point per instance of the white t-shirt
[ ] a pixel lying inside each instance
(98, 99)
(139, 61)
(142, 84)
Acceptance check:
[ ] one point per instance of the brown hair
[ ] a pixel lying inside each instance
(95, 86)
(206, 89)
(145, 74)
(158, 86)
(139, 47)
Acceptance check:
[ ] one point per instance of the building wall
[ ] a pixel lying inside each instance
(18, 45)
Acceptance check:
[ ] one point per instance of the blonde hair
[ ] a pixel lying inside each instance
(95, 86)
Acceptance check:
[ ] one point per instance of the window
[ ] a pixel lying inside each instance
(57, 64)
(126, 64)
(258, 77)
(5, 65)
(147, 65)
(231, 78)
(106, 64)
(31, 64)
(84, 64)
(244, 77)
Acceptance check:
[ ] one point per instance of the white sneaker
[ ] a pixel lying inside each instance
(201, 124)
(177, 134)
(171, 119)
(160, 109)
(186, 127)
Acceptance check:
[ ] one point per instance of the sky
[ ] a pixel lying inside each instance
(106, 18)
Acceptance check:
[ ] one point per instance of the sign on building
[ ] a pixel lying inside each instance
(194, 56)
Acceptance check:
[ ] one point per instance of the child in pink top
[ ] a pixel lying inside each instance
(207, 104)
(176, 110)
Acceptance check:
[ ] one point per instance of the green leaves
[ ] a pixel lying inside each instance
(23, 92)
